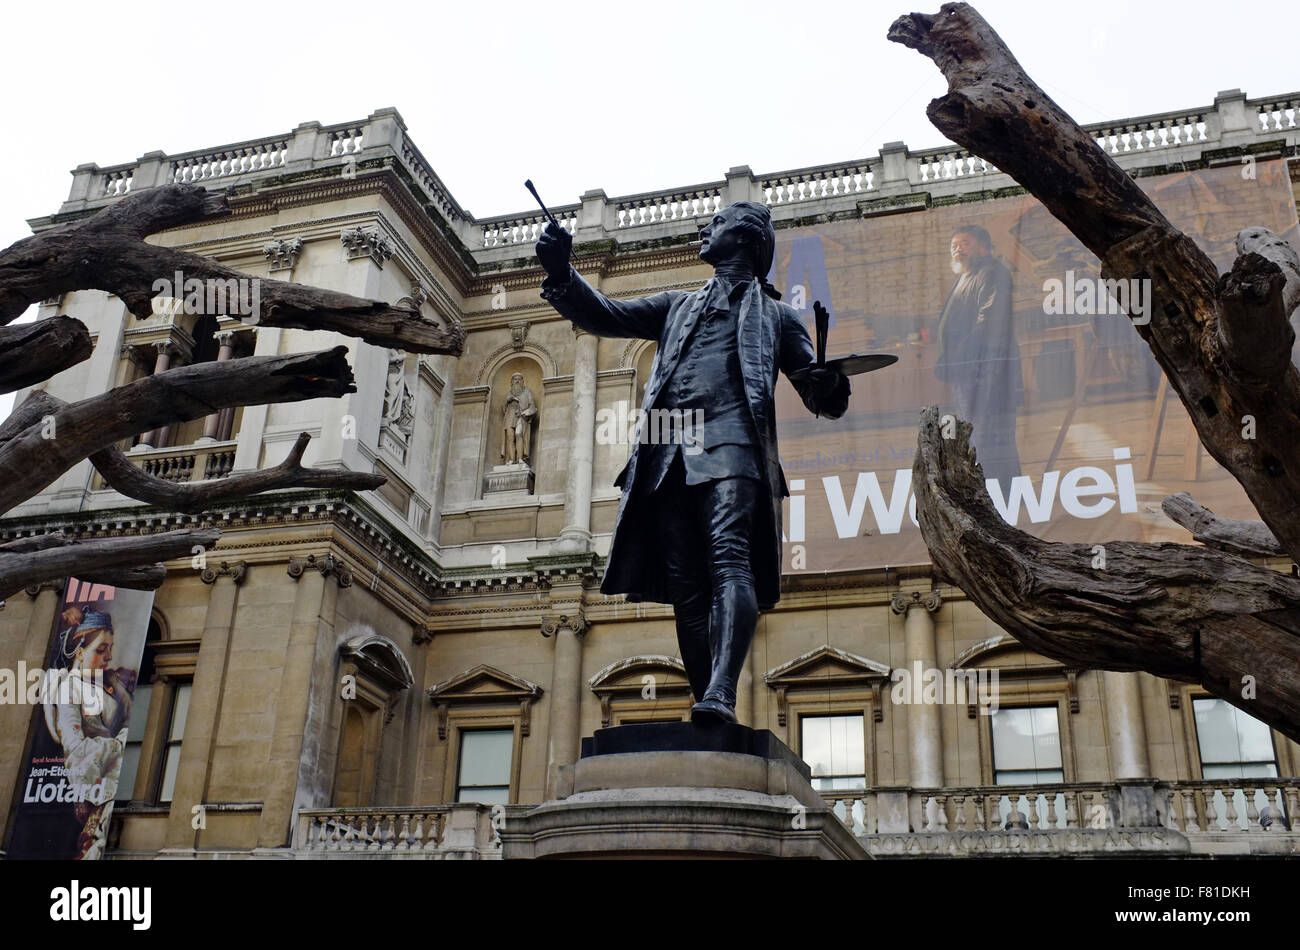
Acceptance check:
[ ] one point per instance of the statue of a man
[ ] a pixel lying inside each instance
(701, 530)
(516, 420)
(399, 410)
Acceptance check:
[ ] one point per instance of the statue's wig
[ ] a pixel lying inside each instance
(755, 221)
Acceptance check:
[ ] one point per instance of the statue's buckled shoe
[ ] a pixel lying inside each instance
(712, 712)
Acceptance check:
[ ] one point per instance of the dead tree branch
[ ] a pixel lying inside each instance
(1175, 610)
(1247, 538)
(1218, 342)
(107, 560)
(120, 474)
(107, 251)
(44, 438)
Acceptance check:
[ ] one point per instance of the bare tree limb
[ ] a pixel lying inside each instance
(1247, 538)
(107, 251)
(999, 113)
(118, 471)
(1254, 335)
(1174, 610)
(33, 457)
(32, 352)
(1264, 242)
(118, 558)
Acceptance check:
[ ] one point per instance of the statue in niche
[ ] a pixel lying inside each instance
(399, 401)
(517, 417)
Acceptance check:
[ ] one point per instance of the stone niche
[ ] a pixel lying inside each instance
(503, 479)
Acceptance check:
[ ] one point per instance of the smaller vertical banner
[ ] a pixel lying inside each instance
(82, 701)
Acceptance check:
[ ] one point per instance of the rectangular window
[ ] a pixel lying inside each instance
(175, 732)
(134, 740)
(1026, 746)
(834, 748)
(1027, 751)
(484, 771)
(1234, 745)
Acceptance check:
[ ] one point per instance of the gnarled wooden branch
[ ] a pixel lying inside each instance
(45, 438)
(1247, 538)
(107, 251)
(106, 560)
(1175, 610)
(1000, 114)
(32, 352)
(198, 496)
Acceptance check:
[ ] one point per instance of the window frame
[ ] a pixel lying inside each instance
(470, 719)
(867, 750)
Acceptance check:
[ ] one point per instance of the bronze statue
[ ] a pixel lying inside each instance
(702, 530)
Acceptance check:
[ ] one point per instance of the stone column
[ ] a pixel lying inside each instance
(209, 687)
(1125, 724)
(292, 700)
(924, 724)
(444, 419)
(563, 731)
(212, 424)
(156, 438)
(575, 538)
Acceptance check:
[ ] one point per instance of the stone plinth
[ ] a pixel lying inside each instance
(677, 790)
(516, 477)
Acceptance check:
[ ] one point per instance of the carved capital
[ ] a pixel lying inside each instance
(902, 603)
(421, 634)
(416, 299)
(34, 590)
(575, 622)
(329, 566)
(360, 242)
(235, 570)
(283, 253)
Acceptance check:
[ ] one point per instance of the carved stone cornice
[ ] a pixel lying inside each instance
(235, 570)
(902, 603)
(575, 622)
(329, 566)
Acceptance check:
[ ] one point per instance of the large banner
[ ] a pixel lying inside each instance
(83, 706)
(998, 314)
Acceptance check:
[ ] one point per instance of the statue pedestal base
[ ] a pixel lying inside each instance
(514, 477)
(677, 790)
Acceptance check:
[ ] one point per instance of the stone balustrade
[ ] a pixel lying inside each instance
(1217, 132)
(1232, 806)
(440, 832)
(185, 463)
(1229, 816)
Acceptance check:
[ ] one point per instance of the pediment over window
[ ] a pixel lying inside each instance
(1010, 651)
(484, 685)
(380, 659)
(627, 678)
(827, 667)
(1012, 659)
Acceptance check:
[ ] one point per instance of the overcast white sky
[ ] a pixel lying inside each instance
(627, 97)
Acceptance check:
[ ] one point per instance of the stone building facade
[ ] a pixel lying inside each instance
(376, 673)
